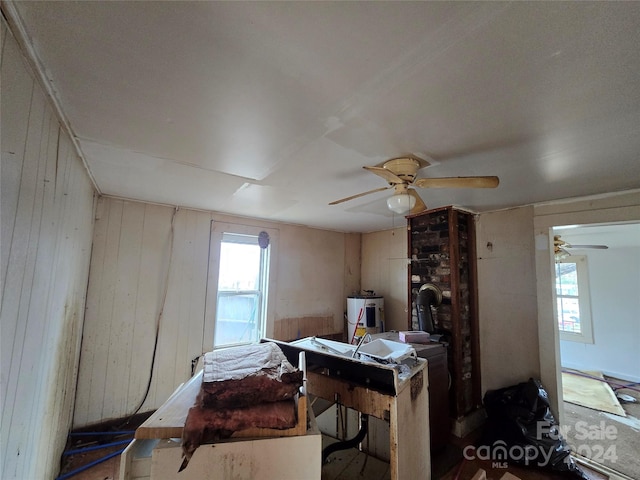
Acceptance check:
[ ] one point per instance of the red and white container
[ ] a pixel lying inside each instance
(364, 312)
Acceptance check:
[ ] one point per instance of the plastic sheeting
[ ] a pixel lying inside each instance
(521, 429)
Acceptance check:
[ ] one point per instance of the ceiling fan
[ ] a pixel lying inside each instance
(401, 173)
(560, 247)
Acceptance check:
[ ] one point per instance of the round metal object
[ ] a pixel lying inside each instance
(435, 289)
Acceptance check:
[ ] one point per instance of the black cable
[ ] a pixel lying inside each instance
(629, 386)
(157, 335)
(334, 447)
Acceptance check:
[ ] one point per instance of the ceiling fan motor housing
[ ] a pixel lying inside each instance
(404, 167)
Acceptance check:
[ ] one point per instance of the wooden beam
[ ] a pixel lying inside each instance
(353, 396)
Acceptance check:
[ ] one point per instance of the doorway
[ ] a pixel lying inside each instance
(598, 338)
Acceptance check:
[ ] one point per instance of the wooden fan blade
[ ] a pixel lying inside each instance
(458, 182)
(384, 173)
(360, 195)
(600, 247)
(420, 206)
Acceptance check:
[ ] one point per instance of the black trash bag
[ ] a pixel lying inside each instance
(520, 428)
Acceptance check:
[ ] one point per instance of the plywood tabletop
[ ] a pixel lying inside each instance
(169, 419)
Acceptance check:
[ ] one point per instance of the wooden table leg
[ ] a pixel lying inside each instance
(409, 431)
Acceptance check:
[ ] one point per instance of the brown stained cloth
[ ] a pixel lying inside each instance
(265, 386)
(205, 425)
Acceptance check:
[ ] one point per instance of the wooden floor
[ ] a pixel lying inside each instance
(623, 445)
(348, 464)
(466, 469)
(353, 464)
(107, 470)
(341, 465)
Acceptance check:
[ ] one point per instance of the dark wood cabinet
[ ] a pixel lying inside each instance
(442, 251)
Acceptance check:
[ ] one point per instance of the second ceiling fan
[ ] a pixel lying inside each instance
(401, 174)
(560, 247)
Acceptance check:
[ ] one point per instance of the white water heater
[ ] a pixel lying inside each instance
(366, 311)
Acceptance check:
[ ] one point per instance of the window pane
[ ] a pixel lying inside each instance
(569, 314)
(240, 302)
(572, 294)
(239, 267)
(566, 279)
(237, 318)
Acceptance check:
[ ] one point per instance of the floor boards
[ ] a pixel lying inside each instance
(353, 464)
(348, 464)
(619, 451)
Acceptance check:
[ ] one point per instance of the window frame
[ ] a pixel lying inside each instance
(218, 229)
(584, 301)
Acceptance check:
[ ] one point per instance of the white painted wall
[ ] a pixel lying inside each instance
(129, 271)
(131, 249)
(614, 280)
(314, 269)
(385, 270)
(45, 244)
(506, 291)
(507, 298)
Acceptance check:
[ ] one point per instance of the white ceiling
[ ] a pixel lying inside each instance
(618, 235)
(270, 109)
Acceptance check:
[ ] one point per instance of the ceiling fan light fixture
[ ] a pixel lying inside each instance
(401, 203)
(561, 254)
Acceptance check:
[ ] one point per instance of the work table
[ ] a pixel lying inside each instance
(370, 388)
(377, 390)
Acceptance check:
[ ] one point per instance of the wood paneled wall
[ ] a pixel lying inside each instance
(287, 329)
(46, 216)
(384, 270)
(134, 258)
(138, 272)
(507, 298)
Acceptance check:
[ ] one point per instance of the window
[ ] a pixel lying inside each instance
(572, 295)
(239, 271)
